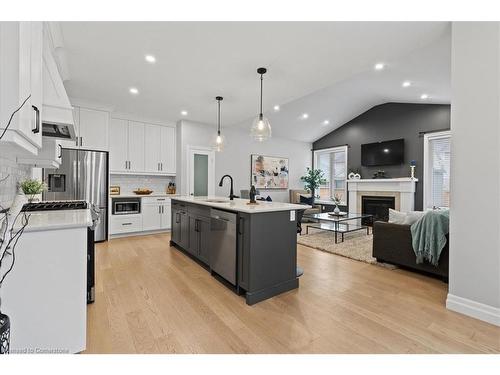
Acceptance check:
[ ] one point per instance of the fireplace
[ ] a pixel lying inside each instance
(378, 206)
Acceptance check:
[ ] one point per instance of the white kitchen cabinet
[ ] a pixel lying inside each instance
(136, 146)
(93, 127)
(50, 156)
(126, 223)
(167, 154)
(156, 213)
(151, 216)
(152, 152)
(21, 76)
(118, 145)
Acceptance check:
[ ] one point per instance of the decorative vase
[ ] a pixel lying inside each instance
(336, 210)
(4, 334)
(357, 176)
(351, 176)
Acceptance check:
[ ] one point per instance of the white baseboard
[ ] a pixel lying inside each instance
(474, 309)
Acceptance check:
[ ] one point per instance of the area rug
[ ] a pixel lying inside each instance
(356, 245)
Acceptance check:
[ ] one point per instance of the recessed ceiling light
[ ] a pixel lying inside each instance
(133, 90)
(326, 122)
(406, 84)
(150, 59)
(379, 66)
(276, 108)
(424, 96)
(184, 113)
(305, 116)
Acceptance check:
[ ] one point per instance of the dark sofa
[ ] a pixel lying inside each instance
(392, 244)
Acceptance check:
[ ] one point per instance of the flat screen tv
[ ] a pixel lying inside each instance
(383, 153)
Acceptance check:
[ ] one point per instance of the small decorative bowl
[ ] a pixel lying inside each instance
(143, 192)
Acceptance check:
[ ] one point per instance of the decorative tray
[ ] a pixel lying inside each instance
(339, 214)
(143, 192)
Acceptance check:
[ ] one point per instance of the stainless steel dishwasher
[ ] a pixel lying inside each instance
(223, 244)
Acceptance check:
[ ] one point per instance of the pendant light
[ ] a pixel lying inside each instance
(261, 128)
(219, 140)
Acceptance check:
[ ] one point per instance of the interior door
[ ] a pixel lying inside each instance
(136, 146)
(152, 138)
(201, 172)
(118, 145)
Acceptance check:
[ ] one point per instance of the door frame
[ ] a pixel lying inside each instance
(191, 150)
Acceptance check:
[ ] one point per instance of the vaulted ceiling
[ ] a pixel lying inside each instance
(324, 69)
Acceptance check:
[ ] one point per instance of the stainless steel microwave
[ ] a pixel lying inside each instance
(126, 206)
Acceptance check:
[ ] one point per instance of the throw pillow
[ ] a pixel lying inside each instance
(306, 200)
(396, 217)
(413, 216)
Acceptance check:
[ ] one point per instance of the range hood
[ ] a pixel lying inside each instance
(57, 112)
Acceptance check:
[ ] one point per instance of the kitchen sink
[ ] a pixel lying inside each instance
(216, 200)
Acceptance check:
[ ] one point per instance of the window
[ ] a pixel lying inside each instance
(333, 163)
(437, 169)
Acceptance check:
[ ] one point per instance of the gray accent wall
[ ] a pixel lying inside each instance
(387, 122)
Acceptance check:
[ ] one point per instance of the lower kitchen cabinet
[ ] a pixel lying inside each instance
(151, 216)
(191, 230)
(199, 237)
(126, 223)
(180, 226)
(156, 213)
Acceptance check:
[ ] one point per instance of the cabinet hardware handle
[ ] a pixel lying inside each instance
(161, 166)
(60, 152)
(126, 223)
(129, 164)
(37, 119)
(162, 209)
(159, 209)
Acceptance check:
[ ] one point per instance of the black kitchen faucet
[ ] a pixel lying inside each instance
(231, 192)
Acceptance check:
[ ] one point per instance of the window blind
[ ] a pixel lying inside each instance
(439, 150)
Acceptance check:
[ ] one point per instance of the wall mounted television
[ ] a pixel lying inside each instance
(383, 153)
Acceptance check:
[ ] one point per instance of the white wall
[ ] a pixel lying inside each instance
(235, 159)
(474, 287)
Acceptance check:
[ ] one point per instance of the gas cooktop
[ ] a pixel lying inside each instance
(55, 205)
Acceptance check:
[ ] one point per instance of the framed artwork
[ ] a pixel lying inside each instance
(269, 172)
(114, 190)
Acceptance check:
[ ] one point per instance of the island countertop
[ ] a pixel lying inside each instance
(240, 205)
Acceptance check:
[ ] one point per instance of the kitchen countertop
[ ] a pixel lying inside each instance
(153, 194)
(55, 220)
(240, 205)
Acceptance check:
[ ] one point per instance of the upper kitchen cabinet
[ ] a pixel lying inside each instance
(92, 129)
(160, 149)
(167, 150)
(139, 148)
(21, 46)
(126, 146)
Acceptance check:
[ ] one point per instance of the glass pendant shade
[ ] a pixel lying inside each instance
(218, 140)
(261, 129)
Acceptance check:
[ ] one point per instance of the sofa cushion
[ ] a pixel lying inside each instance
(413, 216)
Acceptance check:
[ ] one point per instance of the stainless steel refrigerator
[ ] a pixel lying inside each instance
(83, 175)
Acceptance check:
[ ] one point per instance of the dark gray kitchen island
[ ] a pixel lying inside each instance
(251, 247)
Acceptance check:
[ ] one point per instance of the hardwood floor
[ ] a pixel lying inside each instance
(151, 298)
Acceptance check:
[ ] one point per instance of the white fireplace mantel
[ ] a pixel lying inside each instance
(403, 189)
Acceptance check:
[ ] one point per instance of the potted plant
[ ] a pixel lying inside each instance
(32, 187)
(313, 179)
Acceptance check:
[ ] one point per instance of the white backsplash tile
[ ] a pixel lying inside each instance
(129, 183)
(14, 173)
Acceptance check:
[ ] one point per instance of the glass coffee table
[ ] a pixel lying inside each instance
(339, 224)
